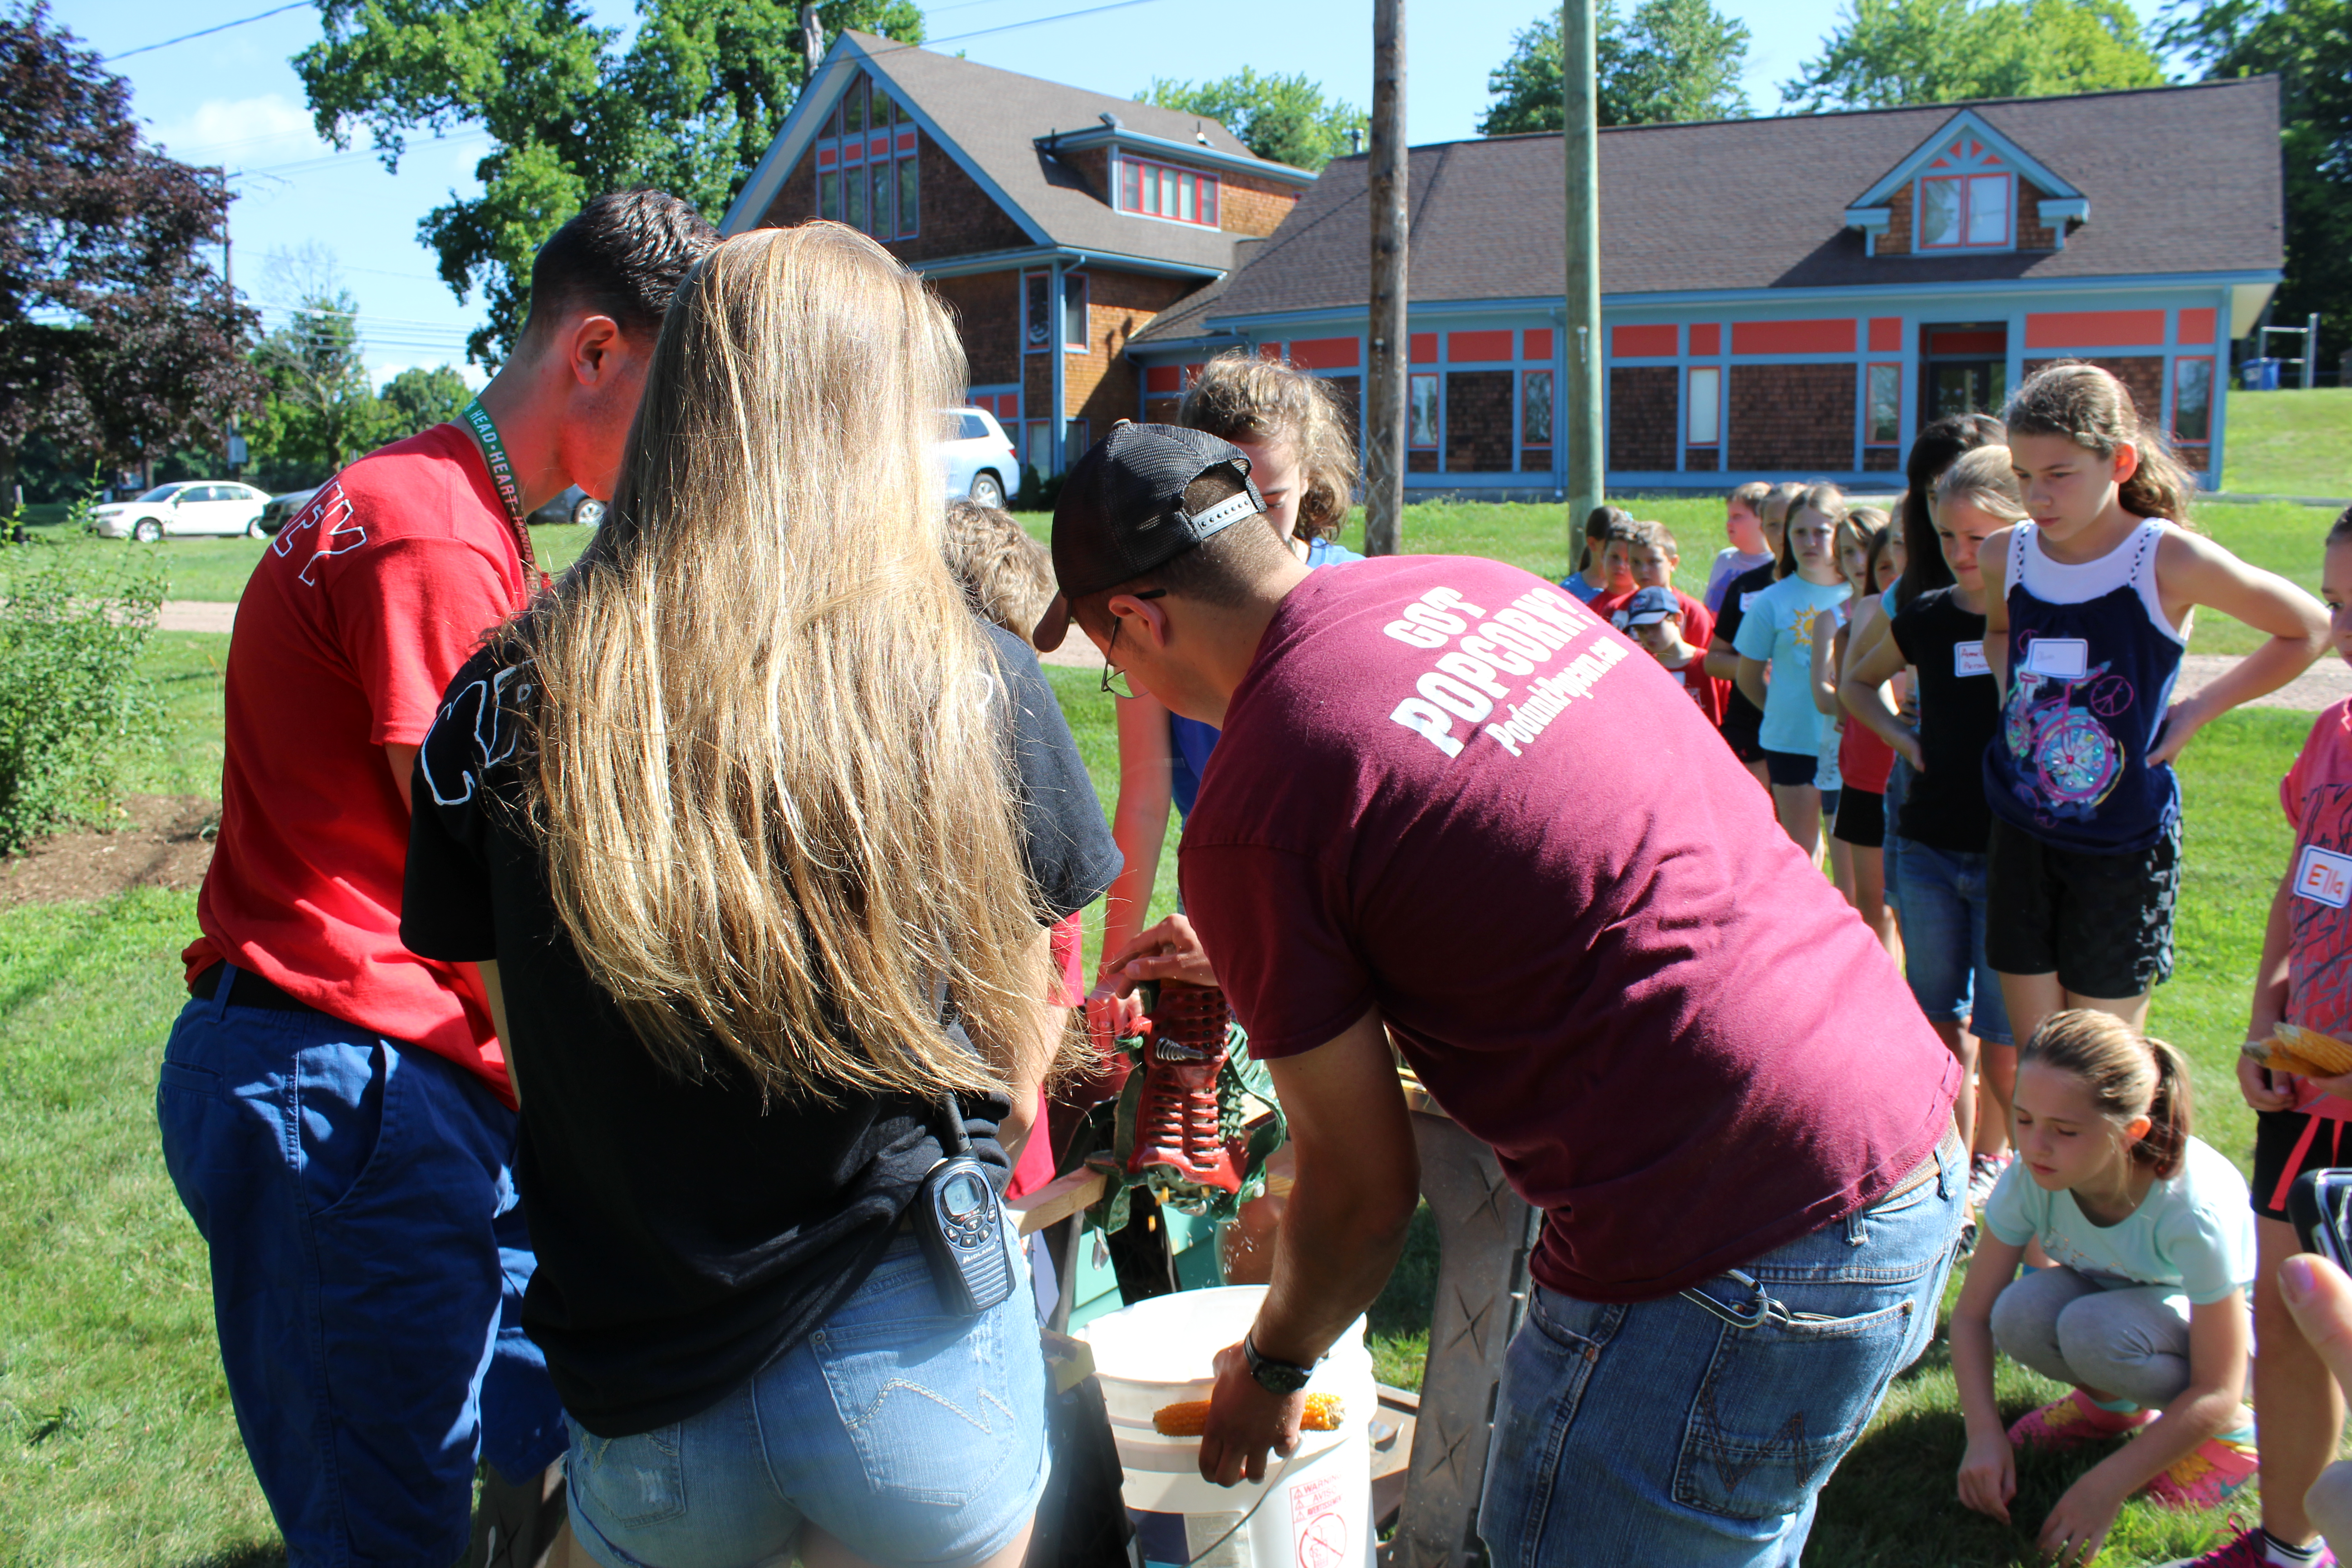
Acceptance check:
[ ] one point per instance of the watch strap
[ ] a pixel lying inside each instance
(1274, 1376)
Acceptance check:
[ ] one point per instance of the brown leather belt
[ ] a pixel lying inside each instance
(1928, 1166)
(248, 990)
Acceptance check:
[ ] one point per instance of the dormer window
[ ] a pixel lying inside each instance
(1966, 199)
(1166, 191)
(867, 162)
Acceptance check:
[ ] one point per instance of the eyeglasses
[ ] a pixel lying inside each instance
(1114, 681)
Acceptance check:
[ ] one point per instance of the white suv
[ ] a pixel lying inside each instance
(978, 457)
(190, 506)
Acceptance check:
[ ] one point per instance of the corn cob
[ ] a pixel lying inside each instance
(2305, 1052)
(1190, 1417)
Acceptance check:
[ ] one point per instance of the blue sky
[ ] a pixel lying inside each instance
(232, 98)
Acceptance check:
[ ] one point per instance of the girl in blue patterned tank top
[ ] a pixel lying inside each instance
(2086, 622)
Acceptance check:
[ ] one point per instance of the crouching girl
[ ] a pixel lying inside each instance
(2145, 1314)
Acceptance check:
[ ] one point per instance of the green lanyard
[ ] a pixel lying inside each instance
(502, 475)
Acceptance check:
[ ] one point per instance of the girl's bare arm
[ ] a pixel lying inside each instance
(2191, 571)
(1138, 823)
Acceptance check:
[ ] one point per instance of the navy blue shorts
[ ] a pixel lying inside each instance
(368, 1258)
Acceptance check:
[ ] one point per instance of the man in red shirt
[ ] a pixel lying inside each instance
(335, 1111)
(1454, 810)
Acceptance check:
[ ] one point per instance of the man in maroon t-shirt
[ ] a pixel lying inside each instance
(336, 1112)
(1453, 809)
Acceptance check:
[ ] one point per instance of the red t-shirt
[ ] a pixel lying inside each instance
(1065, 937)
(358, 616)
(2318, 795)
(1445, 790)
(1707, 693)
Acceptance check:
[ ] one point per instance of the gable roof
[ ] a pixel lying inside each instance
(991, 121)
(1967, 122)
(2181, 180)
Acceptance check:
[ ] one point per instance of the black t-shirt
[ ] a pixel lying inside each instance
(685, 1232)
(1743, 722)
(1959, 708)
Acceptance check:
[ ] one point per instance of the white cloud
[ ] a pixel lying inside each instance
(242, 130)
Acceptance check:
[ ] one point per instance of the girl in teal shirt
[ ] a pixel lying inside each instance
(1777, 634)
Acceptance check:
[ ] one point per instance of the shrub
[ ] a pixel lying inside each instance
(74, 620)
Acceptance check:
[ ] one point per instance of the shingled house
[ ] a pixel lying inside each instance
(1057, 223)
(1785, 297)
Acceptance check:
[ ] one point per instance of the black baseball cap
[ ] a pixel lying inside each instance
(1122, 510)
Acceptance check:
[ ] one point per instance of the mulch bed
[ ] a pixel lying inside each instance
(162, 841)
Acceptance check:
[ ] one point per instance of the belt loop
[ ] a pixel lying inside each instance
(220, 994)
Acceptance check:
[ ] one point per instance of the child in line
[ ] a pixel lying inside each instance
(2305, 979)
(1743, 525)
(1776, 633)
(1742, 720)
(2144, 1311)
(1851, 551)
(1590, 579)
(1943, 822)
(1865, 758)
(2085, 627)
(1651, 557)
(1654, 617)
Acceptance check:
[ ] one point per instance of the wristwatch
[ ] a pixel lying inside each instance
(1276, 1377)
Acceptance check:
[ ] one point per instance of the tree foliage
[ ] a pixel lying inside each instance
(1673, 60)
(117, 337)
(2308, 43)
(1887, 53)
(688, 106)
(1282, 118)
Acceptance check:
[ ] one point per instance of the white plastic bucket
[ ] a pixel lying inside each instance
(1313, 1510)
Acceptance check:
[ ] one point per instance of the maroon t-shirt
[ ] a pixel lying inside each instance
(1446, 790)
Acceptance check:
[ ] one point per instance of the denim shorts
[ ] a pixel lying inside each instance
(909, 1435)
(369, 1259)
(1943, 903)
(1700, 1435)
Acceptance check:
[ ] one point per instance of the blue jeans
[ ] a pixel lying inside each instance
(369, 1259)
(908, 1434)
(1674, 1432)
(1943, 905)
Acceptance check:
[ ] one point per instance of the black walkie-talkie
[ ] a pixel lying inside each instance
(961, 1225)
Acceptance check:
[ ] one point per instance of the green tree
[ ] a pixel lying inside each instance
(1887, 53)
(321, 409)
(1673, 60)
(1286, 119)
(2309, 43)
(689, 107)
(418, 399)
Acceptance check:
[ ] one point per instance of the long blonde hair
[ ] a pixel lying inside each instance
(776, 808)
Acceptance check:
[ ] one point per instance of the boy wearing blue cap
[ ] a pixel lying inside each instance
(1654, 617)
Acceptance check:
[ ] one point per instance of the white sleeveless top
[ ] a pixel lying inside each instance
(2131, 563)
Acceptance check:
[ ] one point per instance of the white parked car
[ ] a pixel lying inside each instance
(189, 506)
(978, 457)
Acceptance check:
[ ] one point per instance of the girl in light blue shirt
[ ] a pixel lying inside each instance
(1775, 645)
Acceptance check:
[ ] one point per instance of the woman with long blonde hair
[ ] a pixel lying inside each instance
(755, 831)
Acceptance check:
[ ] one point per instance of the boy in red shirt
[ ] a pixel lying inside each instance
(335, 1111)
(1653, 618)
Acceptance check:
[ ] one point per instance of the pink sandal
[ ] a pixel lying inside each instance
(2072, 1420)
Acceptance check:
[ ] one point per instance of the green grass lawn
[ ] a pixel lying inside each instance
(116, 1442)
(2289, 443)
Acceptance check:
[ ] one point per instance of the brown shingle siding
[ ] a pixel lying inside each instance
(1246, 205)
(1793, 418)
(1478, 422)
(987, 309)
(1643, 402)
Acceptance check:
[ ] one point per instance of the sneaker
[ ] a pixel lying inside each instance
(2245, 1550)
(2211, 1474)
(1177, 1125)
(2072, 1420)
(1984, 1174)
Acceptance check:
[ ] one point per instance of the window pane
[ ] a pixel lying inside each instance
(1989, 210)
(1035, 449)
(828, 196)
(879, 116)
(1038, 329)
(2192, 400)
(1074, 309)
(1186, 188)
(1940, 223)
(1886, 406)
(1535, 408)
(1421, 415)
(1208, 201)
(973, 427)
(1129, 200)
(852, 187)
(1075, 440)
(883, 224)
(909, 197)
(1705, 406)
(1166, 193)
(853, 108)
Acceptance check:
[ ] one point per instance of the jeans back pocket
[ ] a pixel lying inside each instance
(627, 1481)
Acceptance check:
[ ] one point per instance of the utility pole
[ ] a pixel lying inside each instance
(1581, 145)
(1384, 408)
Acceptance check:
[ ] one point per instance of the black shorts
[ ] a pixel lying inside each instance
(2102, 923)
(1790, 768)
(2287, 1144)
(1860, 818)
(1741, 723)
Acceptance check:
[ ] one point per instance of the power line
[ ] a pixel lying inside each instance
(208, 32)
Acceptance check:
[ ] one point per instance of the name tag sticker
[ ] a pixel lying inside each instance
(2062, 659)
(2324, 876)
(1968, 658)
(1748, 600)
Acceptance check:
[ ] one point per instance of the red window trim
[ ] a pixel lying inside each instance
(2009, 213)
(1208, 199)
(1869, 365)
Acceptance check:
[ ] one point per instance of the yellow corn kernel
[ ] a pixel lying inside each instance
(1190, 1417)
